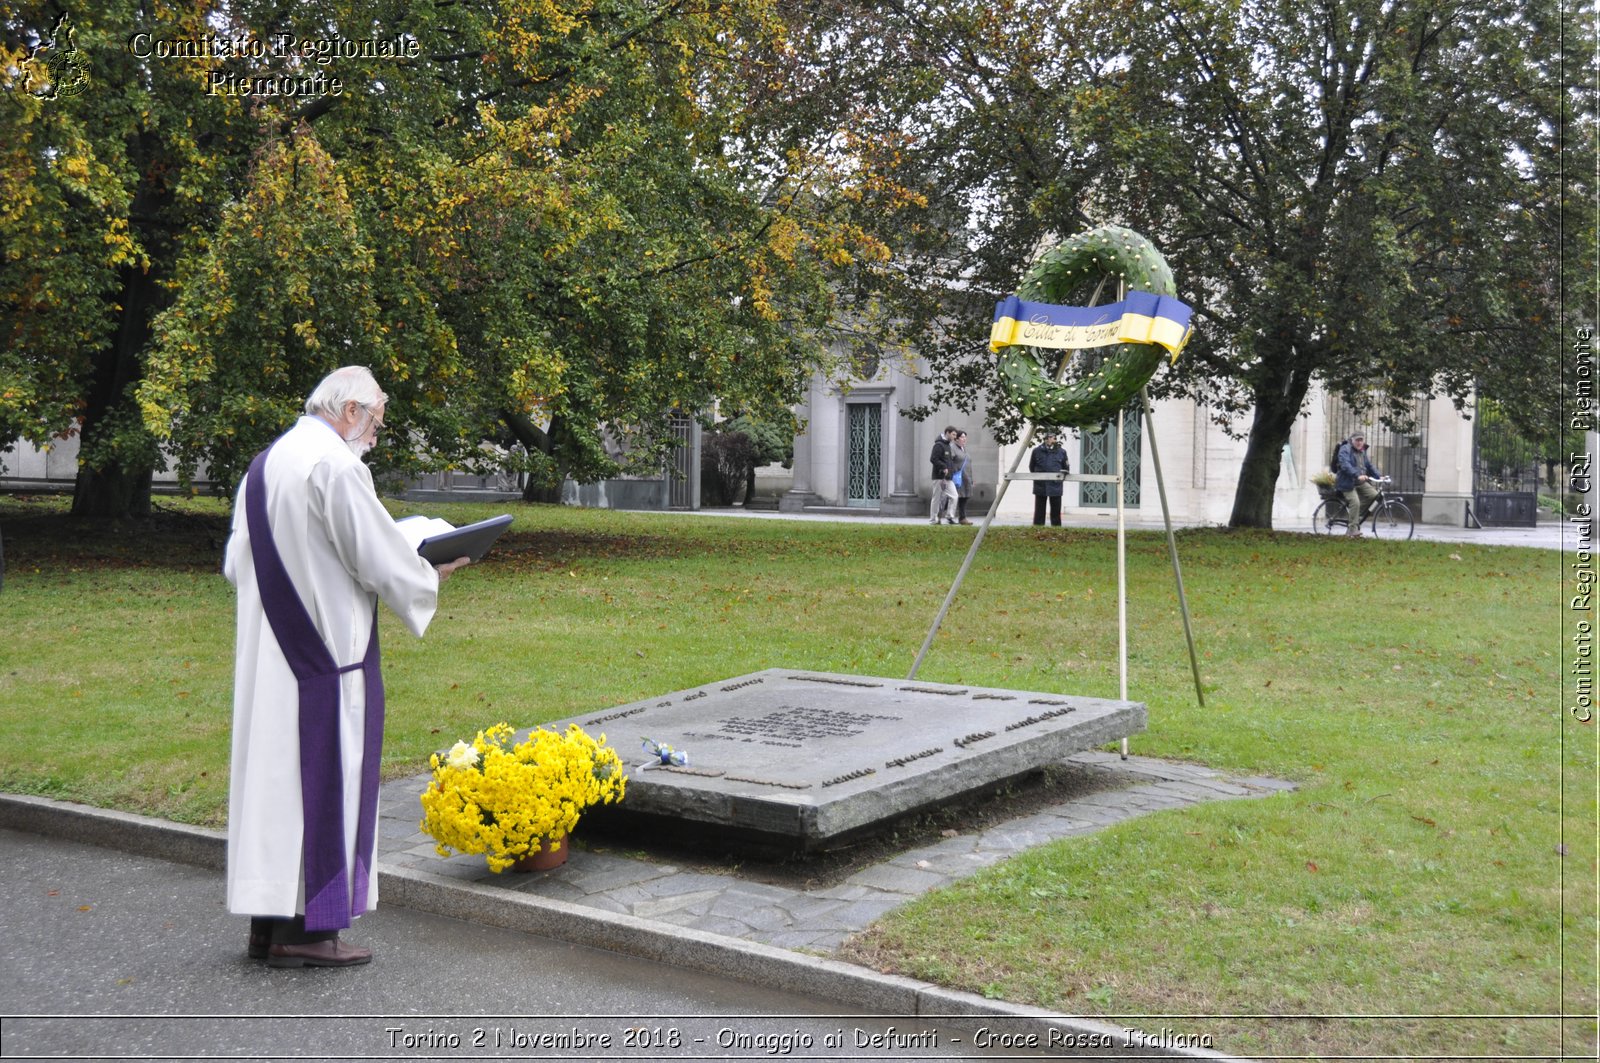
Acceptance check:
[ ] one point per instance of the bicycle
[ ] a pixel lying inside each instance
(1389, 518)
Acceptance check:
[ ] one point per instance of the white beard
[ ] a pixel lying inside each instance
(358, 447)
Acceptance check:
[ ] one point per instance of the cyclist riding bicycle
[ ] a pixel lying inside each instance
(1353, 473)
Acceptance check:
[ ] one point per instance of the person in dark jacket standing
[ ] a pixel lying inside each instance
(1049, 456)
(943, 505)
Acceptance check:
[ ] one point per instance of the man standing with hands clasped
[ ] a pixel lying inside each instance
(1049, 456)
(311, 553)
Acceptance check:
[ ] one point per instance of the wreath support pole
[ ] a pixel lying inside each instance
(977, 541)
(1172, 547)
(988, 518)
(1122, 588)
(1122, 580)
(1122, 554)
(1115, 482)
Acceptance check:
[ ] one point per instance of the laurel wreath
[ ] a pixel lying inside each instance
(1108, 252)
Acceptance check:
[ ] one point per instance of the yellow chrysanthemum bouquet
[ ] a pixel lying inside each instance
(507, 801)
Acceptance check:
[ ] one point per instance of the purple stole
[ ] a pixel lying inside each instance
(333, 892)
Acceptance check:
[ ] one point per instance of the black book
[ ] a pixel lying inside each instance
(440, 543)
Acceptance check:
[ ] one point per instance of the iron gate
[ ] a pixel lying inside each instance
(680, 466)
(1505, 470)
(1400, 455)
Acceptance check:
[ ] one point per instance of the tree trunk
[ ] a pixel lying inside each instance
(112, 492)
(538, 491)
(1277, 406)
(106, 487)
(532, 437)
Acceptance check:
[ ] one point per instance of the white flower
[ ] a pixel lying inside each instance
(463, 756)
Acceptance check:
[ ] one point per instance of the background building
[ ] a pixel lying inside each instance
(860, 452)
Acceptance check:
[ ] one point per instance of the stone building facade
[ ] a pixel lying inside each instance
(860, 452)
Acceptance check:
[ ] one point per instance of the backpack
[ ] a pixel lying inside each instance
(1333, 459)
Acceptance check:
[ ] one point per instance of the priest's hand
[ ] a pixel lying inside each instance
(445, 570)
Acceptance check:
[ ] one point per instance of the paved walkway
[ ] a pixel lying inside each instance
(1546, 535)
(728, 925)
(1105, 789)
(121, 955)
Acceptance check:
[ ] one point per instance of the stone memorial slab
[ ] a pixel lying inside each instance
(805, 760)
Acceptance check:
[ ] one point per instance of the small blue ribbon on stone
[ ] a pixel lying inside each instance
(665, 755)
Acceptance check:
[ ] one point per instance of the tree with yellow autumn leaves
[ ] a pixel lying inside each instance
(552, 223)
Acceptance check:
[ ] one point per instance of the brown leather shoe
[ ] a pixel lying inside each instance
(330, 953)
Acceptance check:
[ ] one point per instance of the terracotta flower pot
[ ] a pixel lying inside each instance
(551, 854)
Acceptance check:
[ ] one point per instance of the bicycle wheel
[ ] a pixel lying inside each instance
(1392, 519)
(1330, 517)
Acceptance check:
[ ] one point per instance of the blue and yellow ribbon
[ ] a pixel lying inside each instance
(1139, 318)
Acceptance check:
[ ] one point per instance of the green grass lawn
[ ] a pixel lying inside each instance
(1431, 862)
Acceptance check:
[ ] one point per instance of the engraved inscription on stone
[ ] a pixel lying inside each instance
(809, 759)
(612, 716)
(792, 724)
(770, 782)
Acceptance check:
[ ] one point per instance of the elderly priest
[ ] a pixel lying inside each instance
(311, 553)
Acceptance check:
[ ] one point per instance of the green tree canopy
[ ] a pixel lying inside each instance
(536, 221)
(1366, 193)
(99, 191)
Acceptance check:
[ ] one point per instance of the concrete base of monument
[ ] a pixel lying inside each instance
(800, 762)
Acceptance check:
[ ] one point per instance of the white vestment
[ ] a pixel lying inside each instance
(342, 552)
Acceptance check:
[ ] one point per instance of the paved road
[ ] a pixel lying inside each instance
(109, 955)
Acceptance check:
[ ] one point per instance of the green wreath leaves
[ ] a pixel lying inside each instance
(1109, 251)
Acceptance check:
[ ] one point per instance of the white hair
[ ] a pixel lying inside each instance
(352, 383)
